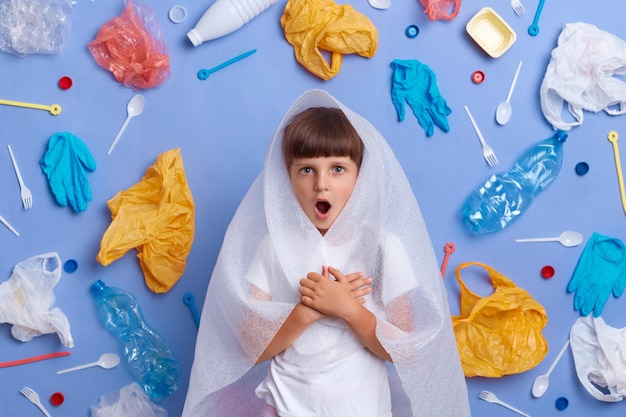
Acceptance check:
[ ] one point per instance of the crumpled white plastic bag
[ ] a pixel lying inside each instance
(582, 73)
(128, 401)
(26, 299)
(600, 358)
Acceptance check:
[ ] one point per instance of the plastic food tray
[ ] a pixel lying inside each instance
(491, 32)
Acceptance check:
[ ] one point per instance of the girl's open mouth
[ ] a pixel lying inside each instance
(322, 207)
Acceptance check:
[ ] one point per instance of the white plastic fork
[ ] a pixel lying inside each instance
(25, 194)
(490, 397)
(488, 152)
(518, 7)
(34, 398)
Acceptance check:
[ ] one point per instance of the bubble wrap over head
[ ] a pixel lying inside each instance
(270, 225)
(582, 73)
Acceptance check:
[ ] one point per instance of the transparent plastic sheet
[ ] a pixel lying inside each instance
(34, 26)
(132, 48)
(128, 401)
(441, 9)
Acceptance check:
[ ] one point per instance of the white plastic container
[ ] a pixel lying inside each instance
(224, 17)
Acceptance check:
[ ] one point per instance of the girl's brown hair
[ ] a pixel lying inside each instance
(321, 131)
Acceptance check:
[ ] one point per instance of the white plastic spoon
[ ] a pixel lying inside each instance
(541, 382)
(504, 110)
(106, 361)
(134, 108)
(380, 4)
(567, 239)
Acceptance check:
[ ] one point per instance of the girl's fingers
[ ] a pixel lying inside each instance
(336, 273)
(361, 292)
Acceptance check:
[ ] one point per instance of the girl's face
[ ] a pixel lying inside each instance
(323, 186)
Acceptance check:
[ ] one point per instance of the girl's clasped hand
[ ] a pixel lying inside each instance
(336, 297)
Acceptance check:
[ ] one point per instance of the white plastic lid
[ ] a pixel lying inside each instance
(177, 14)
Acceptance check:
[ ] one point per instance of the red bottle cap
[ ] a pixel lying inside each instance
(57, 399)
(65, 83)
(547, 272)
(478, 77)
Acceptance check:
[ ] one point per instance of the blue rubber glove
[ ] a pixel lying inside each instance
(65, 164)
(416, 84)
(601, 269)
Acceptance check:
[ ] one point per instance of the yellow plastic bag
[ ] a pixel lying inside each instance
(155, 216)
(500, 334)
(311, 25)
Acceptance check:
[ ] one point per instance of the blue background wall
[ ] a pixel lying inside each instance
(223, 125)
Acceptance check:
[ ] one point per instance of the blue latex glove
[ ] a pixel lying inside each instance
(601, 269)
(416, 84)
(66, 163)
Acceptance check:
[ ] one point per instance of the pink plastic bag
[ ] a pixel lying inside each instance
(132, 48)
(441, 9)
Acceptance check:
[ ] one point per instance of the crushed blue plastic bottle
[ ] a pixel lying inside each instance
(505, 196)
(151, 361)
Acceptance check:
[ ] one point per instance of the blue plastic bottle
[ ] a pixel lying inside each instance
(151, 361)
(505, 196)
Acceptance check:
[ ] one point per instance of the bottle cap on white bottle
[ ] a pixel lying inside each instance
(224, 17)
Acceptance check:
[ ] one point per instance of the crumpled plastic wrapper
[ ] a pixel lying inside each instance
(155, 216)
(132, 48)
(34, 26)
(441, 9)
(583, 72)
(500, 334)
(26, 300)
(314, 25)
(599, 352)
(128, 401)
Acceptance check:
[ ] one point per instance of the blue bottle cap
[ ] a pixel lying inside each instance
(70, 266)
(582, 168)
(412, 31)
(561, 403)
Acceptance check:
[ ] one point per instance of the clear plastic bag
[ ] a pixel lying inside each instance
(128, 401)
(34, 26)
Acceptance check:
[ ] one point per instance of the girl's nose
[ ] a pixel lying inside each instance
(320, 183)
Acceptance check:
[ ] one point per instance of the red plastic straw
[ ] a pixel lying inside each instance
(34, 359)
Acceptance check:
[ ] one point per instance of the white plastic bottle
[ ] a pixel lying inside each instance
(224, 17)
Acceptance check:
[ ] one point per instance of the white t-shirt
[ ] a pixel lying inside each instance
(327, 372)
(353, 386)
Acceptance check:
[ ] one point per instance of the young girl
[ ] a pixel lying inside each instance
(327, 270)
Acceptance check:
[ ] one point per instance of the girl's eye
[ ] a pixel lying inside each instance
(338, 170)
(306, 170)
